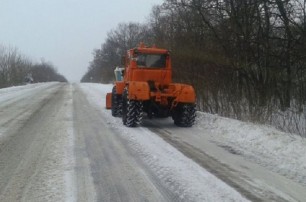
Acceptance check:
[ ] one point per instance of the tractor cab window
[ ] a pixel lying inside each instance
(151, 60)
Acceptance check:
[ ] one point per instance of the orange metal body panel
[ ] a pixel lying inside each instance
(180, 92)
(120, 87)
(183, 93)
(153, 50)
(160, 76)
(139, 90)
(108, 101)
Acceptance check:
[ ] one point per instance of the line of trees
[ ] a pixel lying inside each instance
(245, 58)
(16, 69)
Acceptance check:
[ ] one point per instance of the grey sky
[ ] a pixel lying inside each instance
(65, 32)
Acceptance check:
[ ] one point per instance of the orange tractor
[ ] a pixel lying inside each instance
(145, 85)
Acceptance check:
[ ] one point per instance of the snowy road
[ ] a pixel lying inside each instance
(105, 164)
(34, 143)
(58, 143)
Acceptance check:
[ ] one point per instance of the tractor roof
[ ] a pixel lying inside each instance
(153, 50)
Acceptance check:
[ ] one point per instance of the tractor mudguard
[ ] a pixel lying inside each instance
(108, 101)
(119, 87)
(183, 93)
(139, 90)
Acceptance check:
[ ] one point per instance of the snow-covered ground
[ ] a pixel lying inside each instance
(54, 177)
(36, 146)
(180, 174)
(279, 152)
(22, 100)
(16, 91)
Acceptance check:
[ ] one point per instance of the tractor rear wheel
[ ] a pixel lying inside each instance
(184, 115)
(116, 103)
(132, 110)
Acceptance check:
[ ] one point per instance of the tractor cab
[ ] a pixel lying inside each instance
(148, 64)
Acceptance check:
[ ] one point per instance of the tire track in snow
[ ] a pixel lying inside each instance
(217, 168)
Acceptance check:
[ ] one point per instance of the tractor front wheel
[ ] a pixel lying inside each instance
(116, 103)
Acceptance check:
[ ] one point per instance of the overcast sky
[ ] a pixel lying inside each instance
(65, 32)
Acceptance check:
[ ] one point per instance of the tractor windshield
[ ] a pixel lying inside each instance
(151, 60)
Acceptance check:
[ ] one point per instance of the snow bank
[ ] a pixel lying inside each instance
(24, 87)
(281, 152)
(15, 91)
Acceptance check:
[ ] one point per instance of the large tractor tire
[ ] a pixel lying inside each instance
(132, 111)
(116, 103)
(184, 115)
